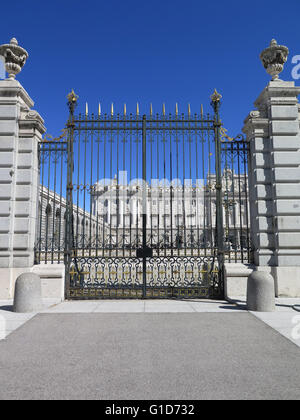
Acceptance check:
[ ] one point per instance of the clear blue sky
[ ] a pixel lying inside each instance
(155, 51)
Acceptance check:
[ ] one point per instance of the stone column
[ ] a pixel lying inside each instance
(20, 131)
(274, 181)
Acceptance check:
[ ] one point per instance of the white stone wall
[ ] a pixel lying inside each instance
(191, 207)
(274, 180)
(193, 218)
(20, 131)
(190, 214)
(274, 135)
(51, 216)
(50, 231)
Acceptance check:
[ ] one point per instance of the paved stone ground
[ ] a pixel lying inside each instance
(154, 305)
(285, 320)
(148, 356)
(10, 321)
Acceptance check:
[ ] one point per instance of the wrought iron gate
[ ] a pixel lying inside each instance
(148, 203)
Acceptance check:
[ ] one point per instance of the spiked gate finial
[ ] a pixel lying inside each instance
(72, 101)
(112, 110)
(164, 109)
(202, 113)
(176, 109)
(189, 109)
(216, 100)
(137, 109)
(99, 109)
(151, 110)
(216, 97)
(125, 110)
(72, 97)
(86, 109)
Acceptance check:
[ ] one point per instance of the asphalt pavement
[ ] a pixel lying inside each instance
(148, 356)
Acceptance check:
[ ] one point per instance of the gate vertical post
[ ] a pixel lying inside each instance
(144, 206)
(219, 241)
(72, 102)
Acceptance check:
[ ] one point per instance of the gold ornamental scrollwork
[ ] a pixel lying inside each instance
(49, 138)
(224, 135)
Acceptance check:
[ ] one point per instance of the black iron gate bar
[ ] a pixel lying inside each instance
(141, 253)
(145, 253)
(50, 242)
(235, 156)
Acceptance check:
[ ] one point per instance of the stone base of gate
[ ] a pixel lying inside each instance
(52, 277)
(53, 280)
(236, 279)
(287, 280)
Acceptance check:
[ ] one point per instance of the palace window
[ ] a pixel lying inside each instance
(48, 212)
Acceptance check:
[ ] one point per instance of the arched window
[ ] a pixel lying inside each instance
(57, 226)
(48, 212)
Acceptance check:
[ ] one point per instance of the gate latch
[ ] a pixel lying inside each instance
(144, 252)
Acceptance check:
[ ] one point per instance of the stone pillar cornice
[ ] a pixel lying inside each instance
(11, 89)
(32, 120)
(26, 128)
(286, 91)
(254, 125)
(12, 93)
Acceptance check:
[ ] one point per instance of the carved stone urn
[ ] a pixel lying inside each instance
(15, 57)
(273, 58)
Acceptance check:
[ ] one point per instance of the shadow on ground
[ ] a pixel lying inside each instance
(9, 308)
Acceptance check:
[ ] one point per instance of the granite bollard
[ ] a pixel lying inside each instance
(261, 292)
(28, 293)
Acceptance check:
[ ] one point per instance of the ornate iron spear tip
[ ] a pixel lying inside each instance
(273, 59)
(216, 97)
(72, 97)
(72, 101)
(216, 101)
(15, 57)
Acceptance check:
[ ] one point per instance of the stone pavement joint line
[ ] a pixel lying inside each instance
(134, 306)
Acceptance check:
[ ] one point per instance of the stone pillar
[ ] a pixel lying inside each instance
(274, 181)
(20, 131)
